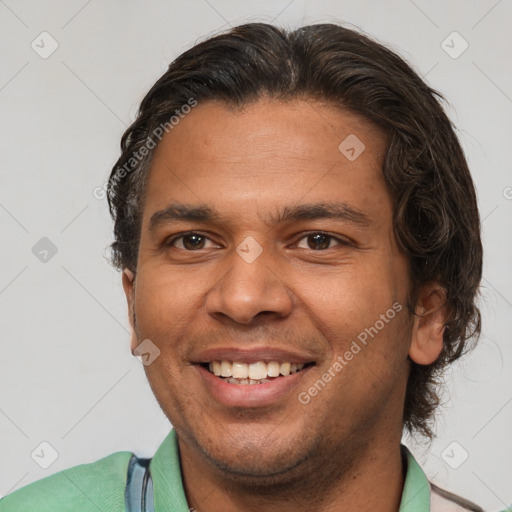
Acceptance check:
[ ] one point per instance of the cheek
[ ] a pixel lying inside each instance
(361, 313)
(354, 295)
(163, 298)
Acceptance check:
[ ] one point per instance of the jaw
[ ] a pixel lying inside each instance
(260, 436)
(257, 440)
(265, 461)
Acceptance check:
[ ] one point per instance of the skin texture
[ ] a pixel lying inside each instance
(341, 450)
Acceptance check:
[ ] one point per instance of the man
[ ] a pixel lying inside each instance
(300, 249)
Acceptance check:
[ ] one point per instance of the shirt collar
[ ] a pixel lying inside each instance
(168, 485)
(416, 491)
(165, 471)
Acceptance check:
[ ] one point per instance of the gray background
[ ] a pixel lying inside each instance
(67, 376)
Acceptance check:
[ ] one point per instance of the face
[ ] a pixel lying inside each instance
(267, 248)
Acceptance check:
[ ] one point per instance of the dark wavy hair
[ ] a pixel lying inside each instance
(435, 215)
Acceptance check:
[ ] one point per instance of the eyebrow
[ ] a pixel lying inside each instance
(203, 213)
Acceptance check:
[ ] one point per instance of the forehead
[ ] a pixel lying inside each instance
(300, 127)
(266, 154)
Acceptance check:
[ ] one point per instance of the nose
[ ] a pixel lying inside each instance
(247, 290)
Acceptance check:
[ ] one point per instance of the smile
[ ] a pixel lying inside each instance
(259, 372)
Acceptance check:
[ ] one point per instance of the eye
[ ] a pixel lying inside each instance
(321, 241)
(189, 241)
(193, 241)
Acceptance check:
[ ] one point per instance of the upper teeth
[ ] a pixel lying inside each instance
(255, 371)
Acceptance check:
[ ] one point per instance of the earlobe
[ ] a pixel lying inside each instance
(429, 324)
(129, 291)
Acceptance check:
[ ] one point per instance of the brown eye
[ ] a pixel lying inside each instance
(189, 241)
(321, 241)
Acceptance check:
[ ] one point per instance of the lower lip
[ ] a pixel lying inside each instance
(250, 395)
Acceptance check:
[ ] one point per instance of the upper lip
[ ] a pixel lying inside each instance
(239, 355)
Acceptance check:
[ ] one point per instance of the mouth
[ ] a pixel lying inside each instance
(258, 378)
(253, 373)
(259, 372)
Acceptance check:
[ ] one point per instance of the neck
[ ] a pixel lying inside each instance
(363, 477)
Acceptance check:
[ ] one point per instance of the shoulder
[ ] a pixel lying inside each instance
(96, 486)
(444, 501)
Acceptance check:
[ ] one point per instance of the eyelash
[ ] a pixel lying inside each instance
(170, 242)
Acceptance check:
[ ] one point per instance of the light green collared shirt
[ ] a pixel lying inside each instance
(101, 486)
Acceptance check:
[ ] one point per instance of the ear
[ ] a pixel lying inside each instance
(129, 291)
(428, 329)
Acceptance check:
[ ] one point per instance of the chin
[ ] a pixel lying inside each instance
(257, 471)
(265, 461)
